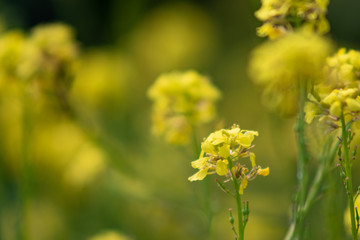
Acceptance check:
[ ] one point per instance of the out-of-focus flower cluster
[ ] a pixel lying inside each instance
(283, 16)
(44, 60)
(281, 65)
(182, 100)
(36, 76)
(341, 71)
(225, 146)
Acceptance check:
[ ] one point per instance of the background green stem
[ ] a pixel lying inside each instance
(348, 165)
(295, 230)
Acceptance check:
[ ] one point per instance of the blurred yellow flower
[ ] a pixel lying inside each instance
(341, 71)
(182, 100)
(223, 146)
(174, 36)
(280, 65)
(100, 82)
(110, 235)
(282, 16)
(11, 49)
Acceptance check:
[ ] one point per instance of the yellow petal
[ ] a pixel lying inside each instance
(224, 151)
(244, 140)
(200, 163)
(243, 185)
(221, 167)
(200, 175)
(310, 111)
(353, 104)
(335, 109)
(252, 159)
(332, 97)
(208, 147)
(263, 171)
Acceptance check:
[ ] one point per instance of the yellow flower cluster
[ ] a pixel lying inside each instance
(283, 16)
(45, 59)
(222, 150)
(342, 70)
(280, 65)
(339, 90)
(346, 101)
(181, 101)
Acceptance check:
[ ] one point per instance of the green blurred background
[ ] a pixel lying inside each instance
(102, 170)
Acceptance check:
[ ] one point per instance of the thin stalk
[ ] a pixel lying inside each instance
(238, 202)
(326, 162)
(348, 165)
(296, 227)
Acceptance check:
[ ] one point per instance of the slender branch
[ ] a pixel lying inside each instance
(348, 165)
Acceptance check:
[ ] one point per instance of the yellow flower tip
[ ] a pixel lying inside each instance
(243, 185)
(200, 175)
(263, 171)
(221, 167)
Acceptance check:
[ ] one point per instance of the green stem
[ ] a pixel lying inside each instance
(296, 227)
(238, 202)
(302, 162)
(348, 165)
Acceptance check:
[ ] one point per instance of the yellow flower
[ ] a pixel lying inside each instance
(227, 146)
(279, 66)
(182, 100)
(331, 106)
(282, 16)
(263, 172)
(342, 70)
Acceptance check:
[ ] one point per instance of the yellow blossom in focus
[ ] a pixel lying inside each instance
(280, 66)
(283, 16)
(182, 100)
(227, 145)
